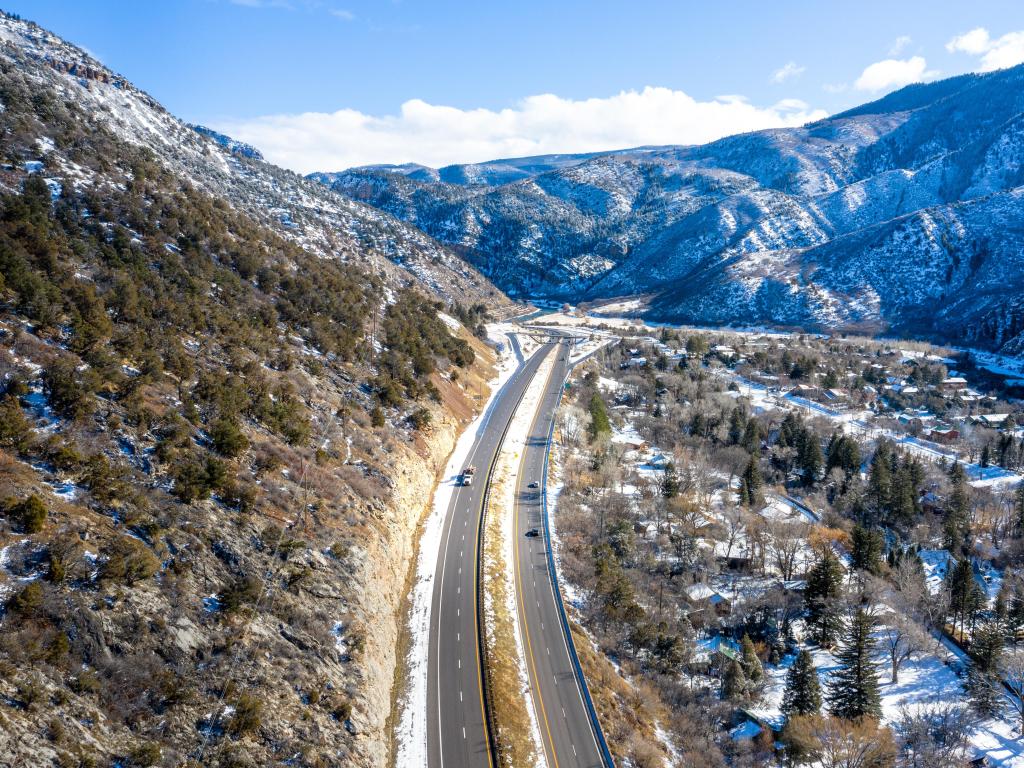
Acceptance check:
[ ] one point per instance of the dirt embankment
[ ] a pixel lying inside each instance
(385, 573)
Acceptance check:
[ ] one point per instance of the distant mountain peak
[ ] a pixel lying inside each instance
(903, 213)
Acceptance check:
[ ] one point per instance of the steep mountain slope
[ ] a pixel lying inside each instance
(899, 214)
(225, 395)
(327, 224)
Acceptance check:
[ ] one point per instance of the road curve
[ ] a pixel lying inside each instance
(456, 724)
(566, 730)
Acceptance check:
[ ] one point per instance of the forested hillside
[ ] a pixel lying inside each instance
(218, 431)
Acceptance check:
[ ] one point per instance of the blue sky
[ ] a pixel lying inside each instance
(322, 84)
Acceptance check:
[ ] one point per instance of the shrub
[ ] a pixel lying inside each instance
(419, 418)
(248, 716)
(14, 427)
(227, 437)
(28, 601)
(128, 562)
(243, 590)
(28, 514)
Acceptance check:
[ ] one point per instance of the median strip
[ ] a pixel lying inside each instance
(517, 732)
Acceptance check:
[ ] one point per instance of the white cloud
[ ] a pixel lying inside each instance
(341, 13)
(438, 135)
(834, 87)
(893, 73)
(975, 42)
(899, 45)
(1005, 51)
(791, 69)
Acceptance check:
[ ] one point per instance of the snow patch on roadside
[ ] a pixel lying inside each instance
(411, 731)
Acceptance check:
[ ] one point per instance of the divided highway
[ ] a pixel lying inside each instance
(457, 726)
(456, 722)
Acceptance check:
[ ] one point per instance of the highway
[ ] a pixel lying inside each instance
(456, 723)
(457, 730)
(569, 739)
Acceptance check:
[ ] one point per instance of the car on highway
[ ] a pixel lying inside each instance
(533, 532)
(467, 480)
(534, 484)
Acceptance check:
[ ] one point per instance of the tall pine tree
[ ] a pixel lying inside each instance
(958, 510)
(751, 663)
(853, 689)
(803, 690)
(867, 549)
(824, 585)
(750, 484)
(983, 685)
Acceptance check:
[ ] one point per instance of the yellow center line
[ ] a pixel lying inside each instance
(522, 607)
(476, 601)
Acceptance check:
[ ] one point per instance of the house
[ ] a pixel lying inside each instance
(954, 384)
(704, 596)
(994, 420)
(944, 435)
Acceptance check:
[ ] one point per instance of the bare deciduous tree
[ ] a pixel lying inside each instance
(935, 736)
(903, 638)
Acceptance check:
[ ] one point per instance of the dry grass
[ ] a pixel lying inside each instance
(511, 716)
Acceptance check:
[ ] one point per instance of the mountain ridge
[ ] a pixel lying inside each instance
(831, 225)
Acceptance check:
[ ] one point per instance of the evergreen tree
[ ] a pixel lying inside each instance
(599, 424)
(750, 484)
(867, 549)
(958, 511)
(809, 457)
(750, 662)
(803, 690)
(903, 504)
(752, 436)
(737, 423)
(983, 685)
(853, 689)
(670, 485)
(1020, 506)
(843, 453)
(824, 585)
(734, 682)
(961, 586)
(880, 480)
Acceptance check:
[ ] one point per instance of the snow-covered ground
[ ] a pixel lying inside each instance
(411, 731)
(929, 679)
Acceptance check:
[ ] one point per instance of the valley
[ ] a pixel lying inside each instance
(661, 457)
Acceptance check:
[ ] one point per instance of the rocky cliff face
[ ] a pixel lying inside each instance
(901, 214)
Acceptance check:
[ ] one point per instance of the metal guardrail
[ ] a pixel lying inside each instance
(595, 724)
(481, 629)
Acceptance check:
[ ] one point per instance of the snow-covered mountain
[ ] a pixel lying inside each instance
(902, 214)
(325, 223)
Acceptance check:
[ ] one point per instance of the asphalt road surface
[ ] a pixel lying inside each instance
(456, 725)
(565, 727)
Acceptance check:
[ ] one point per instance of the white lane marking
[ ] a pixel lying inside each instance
(463, 732)
(460, 699)
(460, 663)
